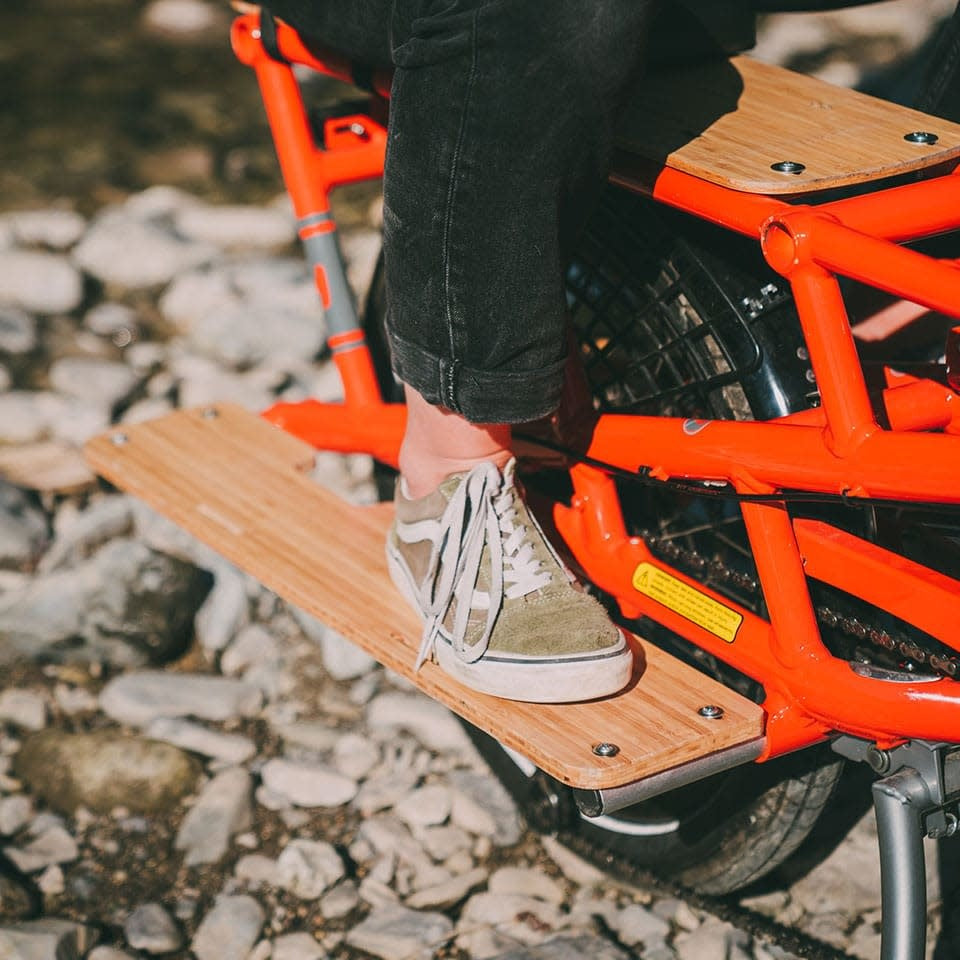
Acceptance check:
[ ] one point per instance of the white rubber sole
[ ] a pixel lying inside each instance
(567, 679)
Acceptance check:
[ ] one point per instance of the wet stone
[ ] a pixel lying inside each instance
(151, 929)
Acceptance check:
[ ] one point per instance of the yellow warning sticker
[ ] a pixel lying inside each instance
(689, 602)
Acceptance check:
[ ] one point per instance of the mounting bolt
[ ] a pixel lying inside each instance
(921, 136)
(877, 759)
(119, 439)
(788, 166)
(711, 711)
(210, 413)
(606, 749)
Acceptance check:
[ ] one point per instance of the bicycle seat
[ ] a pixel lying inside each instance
(763, 129)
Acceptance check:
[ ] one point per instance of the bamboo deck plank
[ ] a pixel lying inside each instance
(728, 121)
(241, 485)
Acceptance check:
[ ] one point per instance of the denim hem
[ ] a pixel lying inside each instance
(480, 396)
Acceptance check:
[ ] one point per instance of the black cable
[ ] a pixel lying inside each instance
(726, 492)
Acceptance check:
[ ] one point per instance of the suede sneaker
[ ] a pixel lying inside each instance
(501, 613)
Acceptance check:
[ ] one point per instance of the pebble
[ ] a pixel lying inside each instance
(108, 953)
(232, 227)
(527, 881)
(432, 724)
(45, 283)
(394, 932)
(636, 924)
(222, 809)
(340, 900)
(230, 929)
(232, 748)
(523, 918)
(100, 383)
(354, 755)
(115, 320)
(78, 536)
(56, 229)
(309, 867)
(49, 938)
(139, 698)
(132, 254)
(103, 770)
(16, 811)
(252, 646)
(151, 929)
(482, 806)
(297, 946)
(427, 806)
(256, 870)
(23, 528)
(180, 18)
(52, 845)
(23, 708)
(18, 331)
(307, 785)
(570, 948)
(51, 882)
(224, 612)
(443, 896)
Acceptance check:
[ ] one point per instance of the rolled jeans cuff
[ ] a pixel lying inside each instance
(480, 396)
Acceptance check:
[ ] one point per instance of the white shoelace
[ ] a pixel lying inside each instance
(481, 511)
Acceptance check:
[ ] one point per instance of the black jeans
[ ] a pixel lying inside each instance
(500, 132)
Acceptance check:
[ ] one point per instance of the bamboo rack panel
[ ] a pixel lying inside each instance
(241, 485)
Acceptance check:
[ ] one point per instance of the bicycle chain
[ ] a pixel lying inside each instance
(756, 924)
(942, 664)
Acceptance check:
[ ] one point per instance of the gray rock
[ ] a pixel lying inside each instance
(442, 896)
(229, 748)
(18, 331)
(568, 948)
(51, 845)
(139, 698)
(92, 381)
(309, 867)
(394, 932)
(50, 882)
(229, 930)
(635, 925)
(708, 942)
(23, 528)
(526, 881)
(39, 282)
(307, 785)
(297, 946)
(311, 735)
(224, 612)
(252, 645)
(248, 313)
(56, 229)
(355, 756)
(133, 254)
(16, 811)
(151, 929)
(109, 953)
(23, 708)
(46, 939)
(433, 725)
(27, 416)
(115, 320)
(427, 806)
(342, 659)
(256, 870)
(86, 531)
(222, 809)
(128, 603)
(340, 901)
(233, 227)
(103, 770)
(482, 805)
(180, 18)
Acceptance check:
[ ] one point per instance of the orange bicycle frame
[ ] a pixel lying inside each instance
(838, 448)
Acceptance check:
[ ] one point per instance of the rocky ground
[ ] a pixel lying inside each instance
(191, 767)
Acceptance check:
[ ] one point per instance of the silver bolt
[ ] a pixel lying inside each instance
(119, 439)
(711, 711)
(788, 166)
(921, 136)
(210, 413)
(606, 749)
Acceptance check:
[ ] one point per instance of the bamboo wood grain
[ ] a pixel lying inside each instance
(241, 485)
(728, 121)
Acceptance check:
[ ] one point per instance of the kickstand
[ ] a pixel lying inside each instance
(900, 801)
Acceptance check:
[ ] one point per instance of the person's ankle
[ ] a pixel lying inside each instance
(422, 475)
